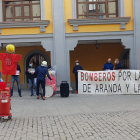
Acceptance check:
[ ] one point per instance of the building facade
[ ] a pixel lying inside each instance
(62, 31)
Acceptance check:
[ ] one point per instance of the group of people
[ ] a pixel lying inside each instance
(110, 66)
(106, 67)
(32, 73)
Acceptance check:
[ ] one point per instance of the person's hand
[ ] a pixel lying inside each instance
(106, 69)
(114, 68)
(28, 70)
(32, 73)
(51, 81)
(77, 70)
(120, 69)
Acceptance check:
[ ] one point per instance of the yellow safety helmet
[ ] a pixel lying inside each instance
(10, 48)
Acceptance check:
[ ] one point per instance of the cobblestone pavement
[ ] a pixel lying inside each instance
(79, 117)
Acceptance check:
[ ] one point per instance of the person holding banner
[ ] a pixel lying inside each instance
(108, 65)
(119, 65)
(17, 79)
(75, 71)
(31, 77)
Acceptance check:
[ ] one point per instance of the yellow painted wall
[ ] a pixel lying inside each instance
(23, 51)
(93, 59)
(97, 28)
(33, 30)
(49, 15)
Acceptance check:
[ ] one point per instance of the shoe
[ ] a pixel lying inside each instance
(43, 98)
(41, 95)
(76, 92)
(37, 97)
(32, 95)
(20, 95)
(11, 95)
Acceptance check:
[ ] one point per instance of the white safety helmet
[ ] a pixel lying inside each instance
(44, 63)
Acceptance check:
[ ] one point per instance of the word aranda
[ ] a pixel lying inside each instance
(108, 88)
(115, 82)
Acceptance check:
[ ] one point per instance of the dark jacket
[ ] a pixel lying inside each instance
(108, 66)
(29, 75)
(119, 66)
(41, 73)
(75, 70)
(18, 68)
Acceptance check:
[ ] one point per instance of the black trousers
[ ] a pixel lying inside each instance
(42, 82)
(76, 79)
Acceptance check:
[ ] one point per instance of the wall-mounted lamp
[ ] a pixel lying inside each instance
(97, 45)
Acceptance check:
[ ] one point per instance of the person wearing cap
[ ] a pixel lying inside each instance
(75, 71)
(41, 73)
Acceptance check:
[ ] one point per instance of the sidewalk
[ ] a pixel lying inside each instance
(79, 117)
(28, 106)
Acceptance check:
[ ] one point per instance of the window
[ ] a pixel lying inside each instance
(21, 10)
(97, 8)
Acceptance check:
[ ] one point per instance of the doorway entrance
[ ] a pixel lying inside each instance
(38, 57)
(124, 57)
(93, 58)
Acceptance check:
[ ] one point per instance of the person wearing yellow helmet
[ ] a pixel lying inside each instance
(10, 49)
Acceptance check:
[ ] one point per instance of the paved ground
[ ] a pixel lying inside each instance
(79, 117)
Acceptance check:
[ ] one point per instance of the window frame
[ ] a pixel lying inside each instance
(22, 17)
(96, 4)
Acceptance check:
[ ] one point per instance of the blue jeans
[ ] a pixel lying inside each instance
(31, 83)
(17, 79)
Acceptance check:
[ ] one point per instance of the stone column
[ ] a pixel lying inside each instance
(1, 12)
(48, 46)
(136, 19)
(121, 8)
(59, 40)
(128, 43)
(70, 45)
(42, 9)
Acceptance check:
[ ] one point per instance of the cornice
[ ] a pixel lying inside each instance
(119, 20)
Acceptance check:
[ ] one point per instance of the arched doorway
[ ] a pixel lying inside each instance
(92, 58)
(38, 57)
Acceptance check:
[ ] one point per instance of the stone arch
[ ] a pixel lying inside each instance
(29, 55)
